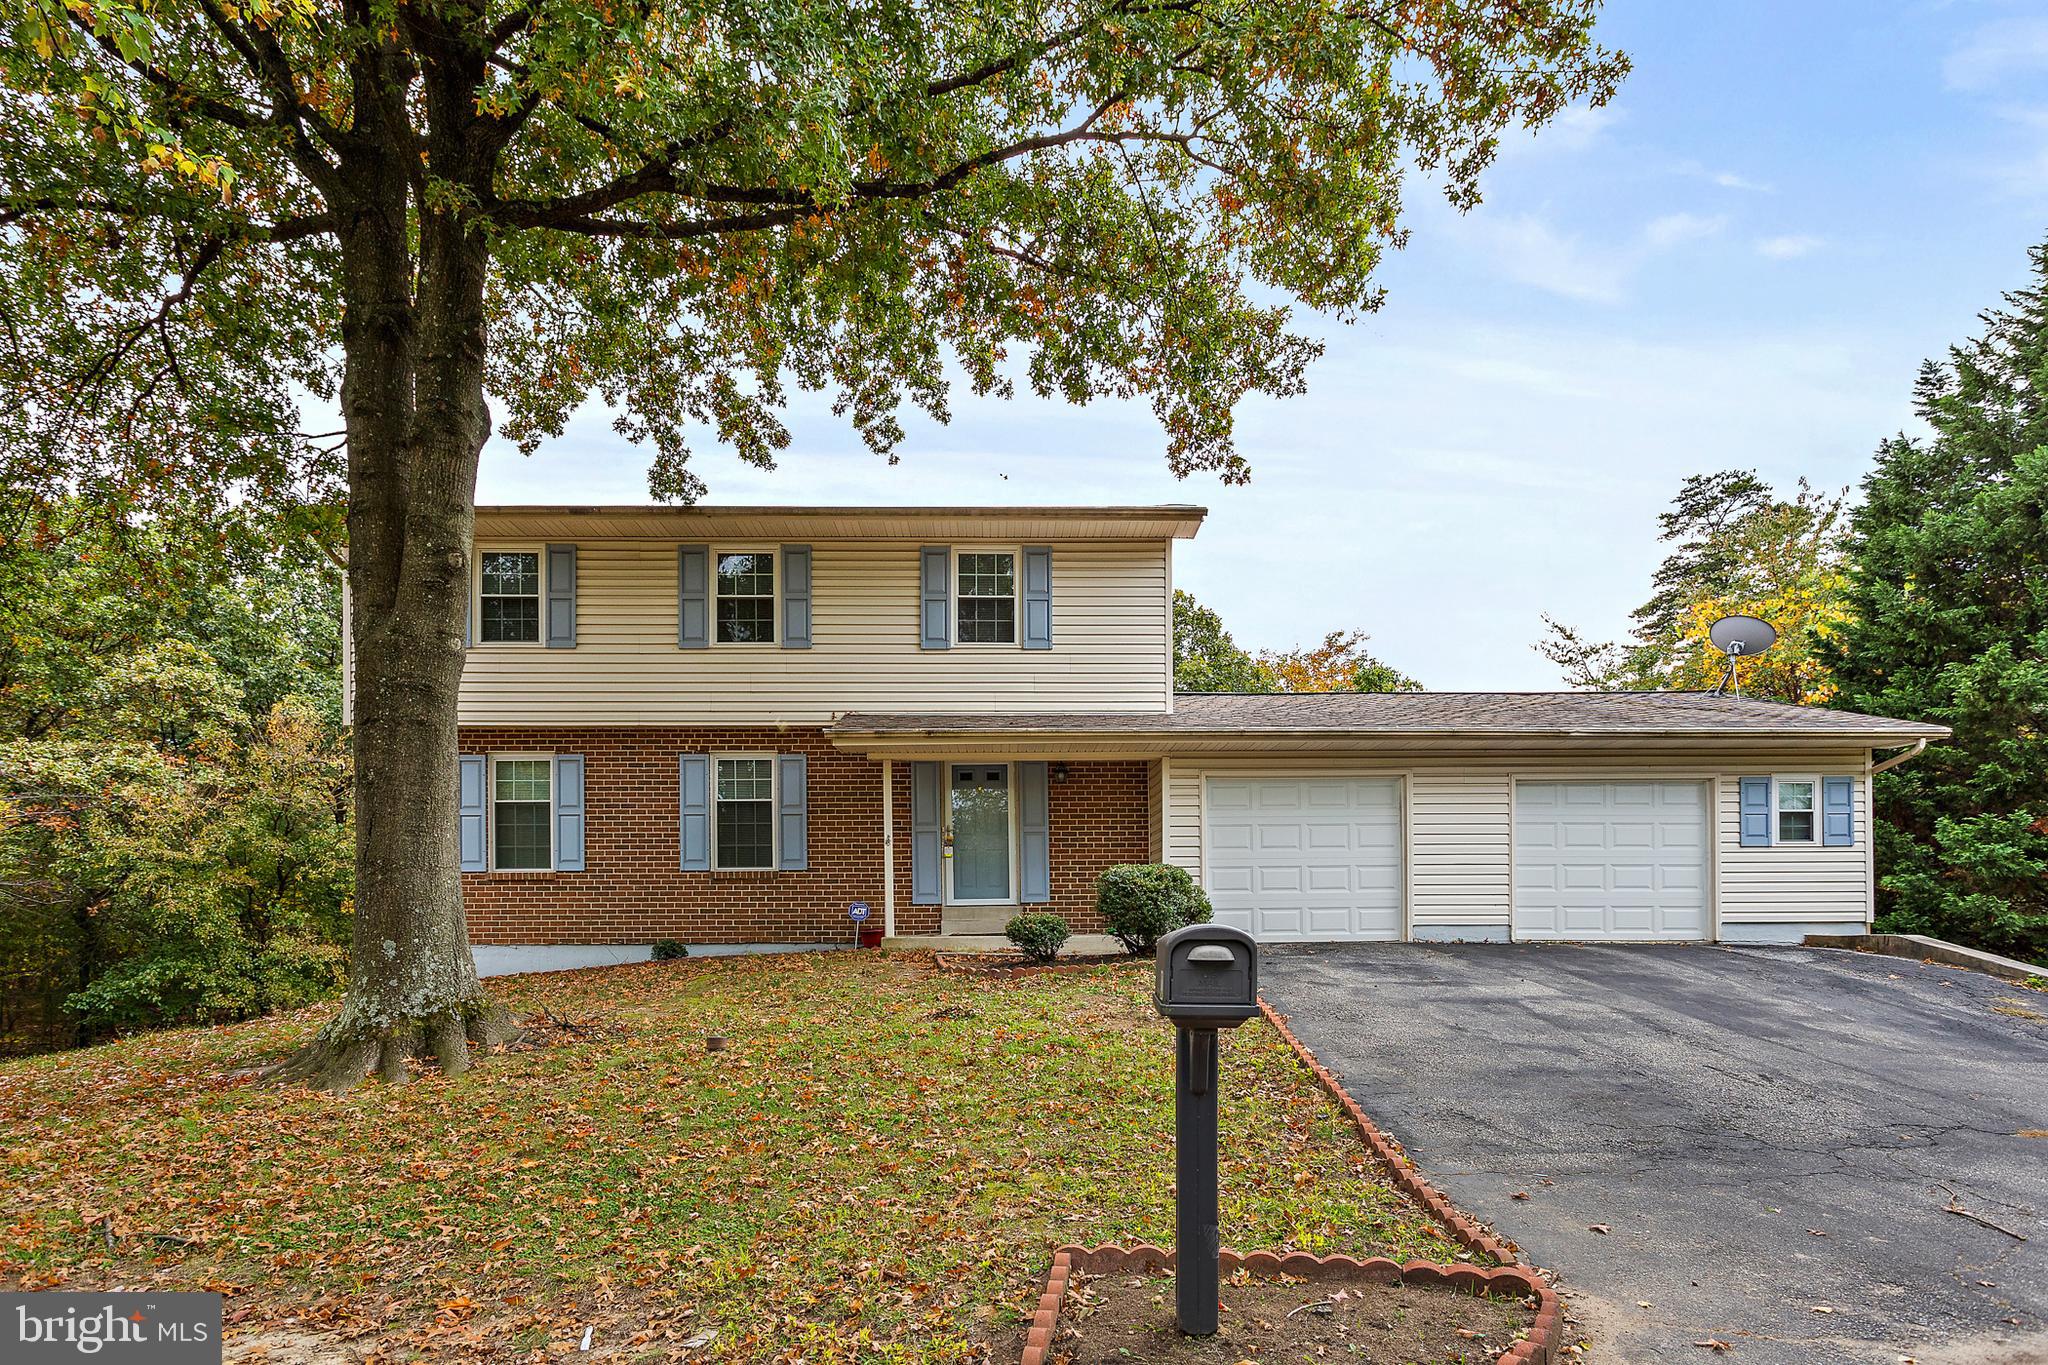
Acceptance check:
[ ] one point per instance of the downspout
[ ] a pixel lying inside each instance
(1919, 748)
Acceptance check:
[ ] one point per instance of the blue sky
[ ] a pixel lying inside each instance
(1741, 262)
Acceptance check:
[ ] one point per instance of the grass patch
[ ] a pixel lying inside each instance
(877, 1168)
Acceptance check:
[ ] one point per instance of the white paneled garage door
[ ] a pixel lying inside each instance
(1297, 859)
(1610, 860)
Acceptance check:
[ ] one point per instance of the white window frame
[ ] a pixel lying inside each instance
(476, 597)
(774, 596)
(1010, 824)
(774, 810)
(1778, 781)
(1016, 554)
(491, 809)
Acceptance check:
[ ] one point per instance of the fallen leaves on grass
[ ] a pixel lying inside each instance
(877, 1169)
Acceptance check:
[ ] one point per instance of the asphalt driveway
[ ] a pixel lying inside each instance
(1766, 1133)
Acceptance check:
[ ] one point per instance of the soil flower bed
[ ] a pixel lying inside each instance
(1122, 1319)
(876, 1168)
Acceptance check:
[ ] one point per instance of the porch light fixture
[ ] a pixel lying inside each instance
(1059, 772)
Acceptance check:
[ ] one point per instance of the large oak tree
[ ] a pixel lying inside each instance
(443, 213)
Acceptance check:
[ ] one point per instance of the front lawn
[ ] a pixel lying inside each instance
(877, 1168)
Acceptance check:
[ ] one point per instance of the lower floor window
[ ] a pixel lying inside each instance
(745, 815)
(521, 814)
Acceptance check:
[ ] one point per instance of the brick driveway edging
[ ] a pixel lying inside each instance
(1513, 1276)
(1517, 1281)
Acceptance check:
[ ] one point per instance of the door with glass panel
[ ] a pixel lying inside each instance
(978, 831)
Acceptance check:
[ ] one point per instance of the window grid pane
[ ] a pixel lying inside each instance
(522, 835)
(513, 575)
(509, 605)
(746, 620)
(745, 779)
(1795, 796)
(746, 837)
(1795, 827)
(746, 598)
(988, 620)
(988, 575)
(523, 779)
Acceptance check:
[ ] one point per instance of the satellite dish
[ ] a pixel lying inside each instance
(1736, 636)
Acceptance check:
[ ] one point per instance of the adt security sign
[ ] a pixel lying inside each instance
(857, 912)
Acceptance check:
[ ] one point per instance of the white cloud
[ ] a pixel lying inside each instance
(1527, 249)
(1996, 53)
(1790, 246)
(1730, 180)
(1676, 229)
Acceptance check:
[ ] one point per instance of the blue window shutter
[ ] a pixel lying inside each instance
(1756, 812)
(796, 597)
(793, 812)
(696, 812)
(561, 597)
(927, 791)
(471, 809)
(1037, 597)
(1034, 833)
(693, 597)
(568, 812)
(934, 589)
(1838, 811)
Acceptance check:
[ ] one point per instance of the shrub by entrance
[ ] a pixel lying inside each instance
(1142, 903)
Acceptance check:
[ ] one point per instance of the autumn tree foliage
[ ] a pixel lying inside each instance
(1207, 659)
(1740, 549)
(175, 837)
(1949, 623)
(454, 216)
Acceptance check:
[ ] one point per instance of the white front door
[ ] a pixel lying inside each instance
(1306, 859)
(1610, 860)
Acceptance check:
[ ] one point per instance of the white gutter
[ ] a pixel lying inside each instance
(1919, 748)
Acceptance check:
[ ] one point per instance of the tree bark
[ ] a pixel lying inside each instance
(413, 401)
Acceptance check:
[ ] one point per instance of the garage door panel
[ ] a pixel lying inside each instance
(1601, 859)
(1312, 859)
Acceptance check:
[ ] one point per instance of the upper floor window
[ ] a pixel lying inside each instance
(1798, 816)
(522, 814)
(744, 821)
(987, 597)
(509, 598)
(746, 598)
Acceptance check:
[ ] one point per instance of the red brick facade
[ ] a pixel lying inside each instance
(634, 890)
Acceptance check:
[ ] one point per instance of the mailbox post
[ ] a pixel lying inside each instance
(1208, 980)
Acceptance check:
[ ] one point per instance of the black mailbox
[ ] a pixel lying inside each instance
(1208, 980)
(1208, 976)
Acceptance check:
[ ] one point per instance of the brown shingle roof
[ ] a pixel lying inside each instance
(1426, 713)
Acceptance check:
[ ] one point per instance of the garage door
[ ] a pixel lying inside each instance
(1610, 860)
(1306, 859)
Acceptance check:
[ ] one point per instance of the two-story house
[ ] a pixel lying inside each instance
(724, 725)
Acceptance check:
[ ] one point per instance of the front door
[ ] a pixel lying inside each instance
(978, 827)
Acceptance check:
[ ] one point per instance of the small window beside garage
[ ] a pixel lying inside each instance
(1797, 818)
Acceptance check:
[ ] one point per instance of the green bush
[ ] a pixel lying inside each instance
(1142, 903)
(1038, 934)
(668, 950)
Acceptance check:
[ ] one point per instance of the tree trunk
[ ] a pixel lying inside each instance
(413, 400)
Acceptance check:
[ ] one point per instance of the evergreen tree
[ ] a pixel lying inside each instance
(1950, 599)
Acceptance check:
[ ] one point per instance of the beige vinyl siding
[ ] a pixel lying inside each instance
(1459, 854)
(1807, 882)
(1111, 627)
(1460, 818)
